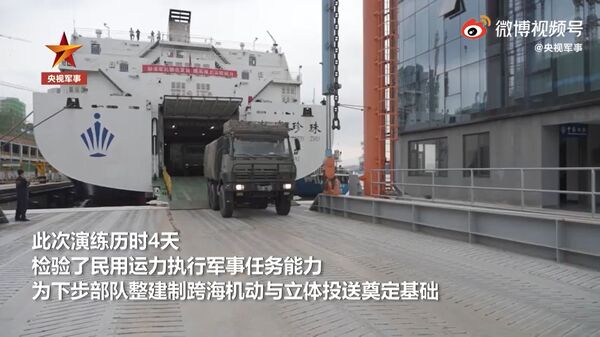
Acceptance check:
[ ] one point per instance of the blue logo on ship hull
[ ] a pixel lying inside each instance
(97, 139)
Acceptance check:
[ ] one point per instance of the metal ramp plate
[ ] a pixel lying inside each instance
(189, 193)
(201, 107)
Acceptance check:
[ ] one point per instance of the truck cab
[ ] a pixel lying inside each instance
(251, 165)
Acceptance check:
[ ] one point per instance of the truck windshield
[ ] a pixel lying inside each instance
(261, 147)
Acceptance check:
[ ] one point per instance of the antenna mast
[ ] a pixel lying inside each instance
(275, 45)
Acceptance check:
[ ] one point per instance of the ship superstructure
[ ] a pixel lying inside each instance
(155, 104)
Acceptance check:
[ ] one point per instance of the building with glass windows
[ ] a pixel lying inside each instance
(20, 152)
(12, 111)
(498, 102)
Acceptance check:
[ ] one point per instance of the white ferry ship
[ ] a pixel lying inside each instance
(154, 104)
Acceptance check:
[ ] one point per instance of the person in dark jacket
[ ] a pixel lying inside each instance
(22, 186)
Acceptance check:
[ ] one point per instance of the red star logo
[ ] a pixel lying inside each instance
(64, 51)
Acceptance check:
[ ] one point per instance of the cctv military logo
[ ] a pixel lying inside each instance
(97, 139)
(474, 29)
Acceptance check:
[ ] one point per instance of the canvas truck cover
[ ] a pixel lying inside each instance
(212, 158)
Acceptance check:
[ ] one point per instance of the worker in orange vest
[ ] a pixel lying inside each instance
(331, 185)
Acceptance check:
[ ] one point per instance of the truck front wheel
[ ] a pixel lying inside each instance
(226, 203)
(283, 205)
(213, 197)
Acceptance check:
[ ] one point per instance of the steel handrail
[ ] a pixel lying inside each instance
(377, 184)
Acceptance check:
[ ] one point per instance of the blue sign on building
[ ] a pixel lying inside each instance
(574, 130)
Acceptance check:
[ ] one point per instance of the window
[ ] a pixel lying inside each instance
(179, 54)
(25, 150)
(252, 60)
(422, 31)
(594, 63)
(16, 149)
(453, 82)
(202, 89)
(5, 147)
(436, 26)
(450, 8)
(476, 153)
(245, 147)
(33, 152)
(492, 89)
(471, 97)
(178, 88)
(453, 54)
(123, 67)
(95, 48)
(75, 89)
(245, 75)
(406, 7)
(570, 77)
(427, 155)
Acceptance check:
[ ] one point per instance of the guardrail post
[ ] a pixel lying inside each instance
(345, 207)
(402, 182)
(413, 216)
(523, 188)
(472, 185)
(432, 185)
(373, 219)
(593, 193)
(371, 183)
(469, 226)
(558, 241)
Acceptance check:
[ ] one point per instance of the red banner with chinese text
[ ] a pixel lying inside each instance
(169, 69)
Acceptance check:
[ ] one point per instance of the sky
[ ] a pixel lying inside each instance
(296, 25)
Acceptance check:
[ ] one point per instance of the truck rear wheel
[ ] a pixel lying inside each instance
(226, 203)
(283, 205)
(213, 197)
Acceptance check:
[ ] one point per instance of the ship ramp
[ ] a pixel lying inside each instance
(189, 193)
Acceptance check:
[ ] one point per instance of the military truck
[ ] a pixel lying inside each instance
(251, 165)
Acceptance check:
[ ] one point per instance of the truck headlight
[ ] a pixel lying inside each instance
(287, 186)
(239, 187)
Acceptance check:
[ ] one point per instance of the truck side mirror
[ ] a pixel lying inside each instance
(297, 144)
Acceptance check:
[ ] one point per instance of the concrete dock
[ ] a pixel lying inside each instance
(483, 291)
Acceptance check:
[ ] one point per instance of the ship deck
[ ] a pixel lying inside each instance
(483, 291)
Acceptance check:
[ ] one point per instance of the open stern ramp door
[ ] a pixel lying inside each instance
(200, 107)
(189, 123)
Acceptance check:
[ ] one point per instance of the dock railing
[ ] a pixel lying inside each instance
(559, 188)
